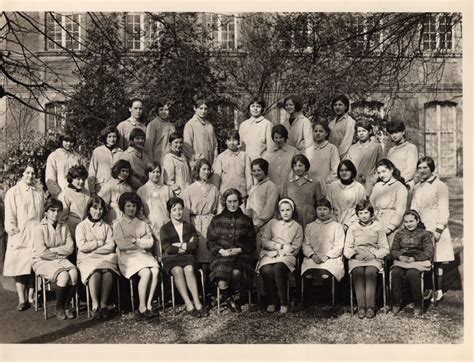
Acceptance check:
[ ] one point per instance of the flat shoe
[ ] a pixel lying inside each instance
(203, 312)
(361, 313)
(395, 310)
(22, 307)
(370, 313)
(104, 313)
(60, 315)
(234, 306)
(69, 314)
(193, 313)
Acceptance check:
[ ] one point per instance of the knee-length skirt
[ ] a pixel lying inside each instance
(52, 268)
(222, 267)
(334, 266)
(88, 264)
(171, 261)
(131, 262)
(354, 263)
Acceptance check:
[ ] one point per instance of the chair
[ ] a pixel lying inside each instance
(46, 283)
(381, 272)
(88, 296)
(173, 300)
(333, 290)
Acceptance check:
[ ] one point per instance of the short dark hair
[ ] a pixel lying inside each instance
(29, 164)
(106, 131)
(364, 205)
(258, 100)
(133, 100)
(232, 133)
(136, 132)
(121, 164)
(230, 192)
(349, 165)
(297, 101)
(262, 163)
(281, 130)
(53, 203)
(152, 165)
(323, 202)
(301, 158)
(174, 201)
(95, 201)
(365, 124)
(197, 168)
(130, 197)
(76, 171)
(174, 136)
(67, 137)
(199, 101)
(324, 125)
(343, 99)
(429, 161)
(395, 126)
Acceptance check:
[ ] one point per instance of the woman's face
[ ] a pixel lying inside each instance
(319, 133)
(286, 211)
(111, 139)
(52, 215)
(176, 212)
(204, 172)
(164, 112)
(29, 176)
(155, 175)
(344, 173)
(410, 222)
(136, 110)
(258, 173)
(78, 183)
(424, 171)
(177, 145)
(323, 213)
(201, 111)
(397, 137)
(232, 144)
(139, 142)
(364, 215)
(255, 110)
(123, 174)
(232, 203)
(299, 168)
(290, 106)
(68, 145)
(279, 140)
(339, 108)
(384, 173)
(130, 209)
(362, 134)
(96, 212)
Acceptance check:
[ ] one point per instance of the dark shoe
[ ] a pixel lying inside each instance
(361, 313)
(193, 313)
(22, 307)
(104, 313)
(417, 311)
(96, 313)
(370, 313)
(60, 315)
(395, 310)
(69, 314)
(234, 305)
(148, 314)
(155, 312)
(203, 312)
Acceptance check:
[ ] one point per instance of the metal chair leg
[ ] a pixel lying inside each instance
(333, 291)
(173, 301)
(43, 282)
(162, 293)
(384, 292)
(131, 295)
(351, 296)
(433, 279)
(88, 300)
(390, 287)
(36, 293)
(118, 294)
(302, 291)
(201, 272)
(422, 292)
(257, 278)
(218, 300)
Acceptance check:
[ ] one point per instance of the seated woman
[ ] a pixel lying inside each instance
(134, 240)
(281, 242)
(96, 257)
(52, 245)
(179, 240)
(231, 243)
(412, 251)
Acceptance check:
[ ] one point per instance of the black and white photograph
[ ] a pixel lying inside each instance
(201, 176)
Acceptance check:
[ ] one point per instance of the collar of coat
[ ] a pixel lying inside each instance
(304, 177)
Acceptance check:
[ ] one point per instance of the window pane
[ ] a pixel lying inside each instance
(133, 29)
(53, 31)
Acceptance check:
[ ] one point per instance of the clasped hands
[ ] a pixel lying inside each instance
(230, 252)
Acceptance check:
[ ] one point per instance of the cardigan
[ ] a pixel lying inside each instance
(417, 243)
(169, 236)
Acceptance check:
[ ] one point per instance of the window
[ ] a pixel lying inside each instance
(63, 31)
(367, 33)
(437, 32)
(222, 30)
(55, 116)
(440, 135)
(135, 31)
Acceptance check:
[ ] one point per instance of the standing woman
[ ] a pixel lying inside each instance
(52, 246)
(342, 126)
(389, 198)
(345, 193)
(116, 186)
(365, 154)
(199, 137)
(137, 157)
(23, 212)
(74, 198)
(58, 164)
(231, 243)
(403, 154)
(103, 158)
(201, 200)
(176, 172)
(134, 121)
(300, 133)
(158, 133)
(431, 200)
(96, 257)
(255, 132)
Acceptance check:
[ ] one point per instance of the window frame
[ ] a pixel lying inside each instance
(426, 44)
(51, 19)
(216, 25)
(60, 119)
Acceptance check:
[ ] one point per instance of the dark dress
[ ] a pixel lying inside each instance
(169, 236)
(231, 230)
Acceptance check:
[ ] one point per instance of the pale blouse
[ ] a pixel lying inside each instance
(139, 162)
(57, 165)
(154, 198)
(199, 141)
(176, 171)
(124, 129)
(232, 170)
(369, 238)
(365, 156)
(262, 201)
(342, 133)
(323, 159)
(300, 133)
(279, 160)
(255, 136)
(344, 199)
(74, 206)
(390, 202)
(157, 144)
(201, 198)
(100, 166)
(405, 158)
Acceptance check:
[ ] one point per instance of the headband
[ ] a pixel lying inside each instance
(288, 201)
